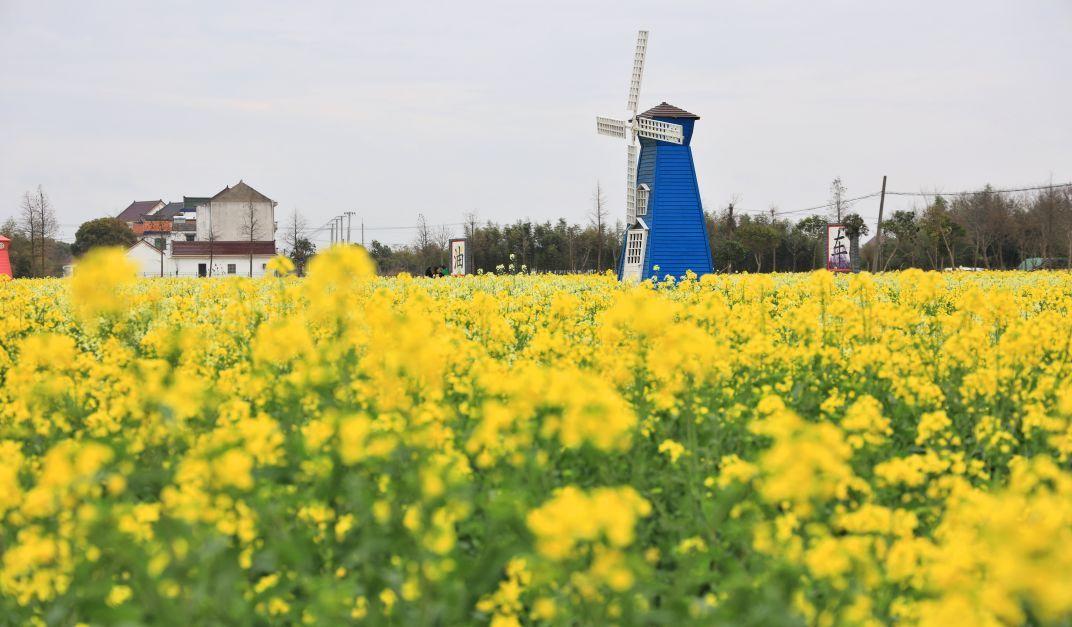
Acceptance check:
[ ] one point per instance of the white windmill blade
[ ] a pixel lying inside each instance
(630, 183)
(662, 131)
(610, 126)
(638, 70)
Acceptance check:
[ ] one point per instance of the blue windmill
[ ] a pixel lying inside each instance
(665, 225)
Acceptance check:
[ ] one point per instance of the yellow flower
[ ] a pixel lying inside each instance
(99, 280)
(672, 449)
(119, 595)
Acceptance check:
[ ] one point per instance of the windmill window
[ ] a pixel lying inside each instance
(634, 247)
(642, 194)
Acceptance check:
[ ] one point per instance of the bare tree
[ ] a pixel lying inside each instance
(441, 236)
(838, 204)
(296, 230)
(250, 224)
(424, 236)
(598, 218)
(212, 236)
(470, 224)
(38, 220)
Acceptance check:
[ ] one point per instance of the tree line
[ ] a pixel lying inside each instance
(523, 246)
(985, 229)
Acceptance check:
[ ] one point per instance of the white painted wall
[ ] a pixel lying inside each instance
(230, 219)
(147, 260)
(187, 266)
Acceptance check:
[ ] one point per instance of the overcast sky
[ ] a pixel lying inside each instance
(394, 109)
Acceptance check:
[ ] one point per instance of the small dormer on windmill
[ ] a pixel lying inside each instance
(666, 231)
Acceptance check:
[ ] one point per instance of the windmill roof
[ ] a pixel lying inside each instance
(240, 193)
(665, 110)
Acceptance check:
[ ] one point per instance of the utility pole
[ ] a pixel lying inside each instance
(331, 227)
(774, 250)
(362, 232)
(349, 222)
(878, 229)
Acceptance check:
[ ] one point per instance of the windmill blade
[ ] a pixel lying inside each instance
(662, 131)
(630, 183)
(638, 70)
(610, 126)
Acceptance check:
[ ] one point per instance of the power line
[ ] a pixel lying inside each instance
(983, 191)
(816, 207)
(394, 228)
(924, 194)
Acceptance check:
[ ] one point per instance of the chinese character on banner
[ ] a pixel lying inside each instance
(837, 249)
(457, 257)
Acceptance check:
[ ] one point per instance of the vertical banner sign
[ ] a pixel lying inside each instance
(458, 261)
(837, 249)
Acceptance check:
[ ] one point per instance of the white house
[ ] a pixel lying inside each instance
(233, 234)
(218, 258)
(150, 260)
(232, 214)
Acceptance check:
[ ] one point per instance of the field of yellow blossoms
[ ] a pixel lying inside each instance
(788, 449)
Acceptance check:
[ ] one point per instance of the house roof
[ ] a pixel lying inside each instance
(189, 203)
(137, 209)
(664, 110)
(240, 193)
(202, 249)
(168, 211)
(146, 243)
(143, 227)
(184, 226)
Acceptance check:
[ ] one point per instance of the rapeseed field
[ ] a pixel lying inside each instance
(539, 450)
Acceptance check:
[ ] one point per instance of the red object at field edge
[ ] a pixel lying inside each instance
(5, 259)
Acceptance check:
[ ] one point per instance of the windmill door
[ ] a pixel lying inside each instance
(635, 243)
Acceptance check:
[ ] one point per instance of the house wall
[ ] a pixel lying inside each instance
(148, 261)
(229, 220)
(187, 266)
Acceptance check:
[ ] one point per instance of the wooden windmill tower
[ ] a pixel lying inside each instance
(665, 225)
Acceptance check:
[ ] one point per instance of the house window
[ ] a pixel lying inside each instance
(634, 247)
(232, 268)
(189, 237)
(160, 243)
(264, 266)
(642, 194)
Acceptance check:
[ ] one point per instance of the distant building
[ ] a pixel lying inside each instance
(183, 229)
(218, 258)
(156, 232)
(229, 215)
(150, 260)
(139, 209)
(231, 233)
(190, 205)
